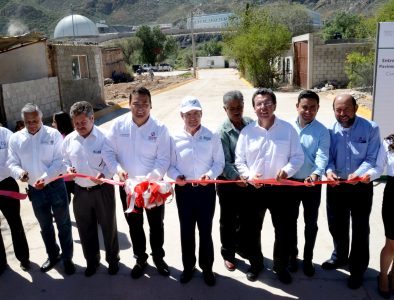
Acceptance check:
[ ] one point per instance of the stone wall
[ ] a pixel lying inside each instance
(89, 89)
(44, 92)
(113, 60)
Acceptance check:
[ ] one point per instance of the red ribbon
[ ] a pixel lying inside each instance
(157, 196)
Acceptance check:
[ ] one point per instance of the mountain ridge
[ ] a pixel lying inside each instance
(43, 15)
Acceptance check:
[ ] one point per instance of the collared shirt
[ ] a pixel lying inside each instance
(385, 159)
(196, 155)
(84, 154)
(140, 151)
(229, 137)
(268, 151)
(315, 142)
(5, 135)
(354, 149)
(39, 154)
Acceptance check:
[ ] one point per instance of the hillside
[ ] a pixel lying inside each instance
(43, 15)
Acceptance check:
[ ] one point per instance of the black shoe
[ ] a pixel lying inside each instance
(383, 294)
(209, 278)
(25, 265)
(138, 270)
(162, 267)
(69, 267)
(113, 268)
(50, 263)
(308, 268)
(284, 276)
(253, 272)
(91, 269)
(332, 264)
(354, 281)
(293, 264)
(3, 268)
(186, 275)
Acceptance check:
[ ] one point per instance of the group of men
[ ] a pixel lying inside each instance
(139, 146)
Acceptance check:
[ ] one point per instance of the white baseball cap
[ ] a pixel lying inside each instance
(190, 103)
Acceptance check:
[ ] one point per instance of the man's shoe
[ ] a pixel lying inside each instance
(253, 272)
(50, 263)
(187, 275)
(113, 268)
(91, 269)
(293, 264)
(69, 267)
(25, 265)
(354, 281)
(308, 268)
(138, 270)
(209, 278)
(230, 266)
(284, 276)
(162, 267)
(332, 264)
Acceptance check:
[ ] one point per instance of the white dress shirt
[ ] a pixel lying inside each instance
(5, 135)
(196, 155)
(385, 159)
(39, 154)
(84, 154)
(140, 151)
(268, 151)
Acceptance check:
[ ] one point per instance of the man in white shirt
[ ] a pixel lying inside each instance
(11, 209)
(35, 157)
(138, 146)
(94, 201)
(268, 148)
(197, 154)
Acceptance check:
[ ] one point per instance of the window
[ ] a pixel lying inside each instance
(80, 67)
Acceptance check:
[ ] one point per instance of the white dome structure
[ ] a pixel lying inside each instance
(75, 26)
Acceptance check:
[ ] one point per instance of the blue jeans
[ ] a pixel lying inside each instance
(53, 199)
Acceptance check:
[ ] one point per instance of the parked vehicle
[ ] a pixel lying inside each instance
(165, 67)
(147, 67)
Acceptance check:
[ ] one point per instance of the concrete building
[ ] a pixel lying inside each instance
(113, 62)
(209, 62)
(53, 76)
(74, 26)
(317, 61)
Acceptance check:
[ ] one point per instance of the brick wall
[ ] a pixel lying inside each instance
(44, 92)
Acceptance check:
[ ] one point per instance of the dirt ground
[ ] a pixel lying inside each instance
(119, 92)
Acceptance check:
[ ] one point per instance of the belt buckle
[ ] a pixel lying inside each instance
(194, 184)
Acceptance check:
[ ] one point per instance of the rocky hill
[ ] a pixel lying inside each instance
(42, 15)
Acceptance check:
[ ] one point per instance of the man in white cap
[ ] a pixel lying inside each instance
(138, 146)
(197, 154)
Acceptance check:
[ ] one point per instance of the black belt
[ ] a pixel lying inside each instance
(89, 188)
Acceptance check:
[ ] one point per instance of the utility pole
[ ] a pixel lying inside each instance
(193, 44)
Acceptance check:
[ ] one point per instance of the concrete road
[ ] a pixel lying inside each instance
(209, 88)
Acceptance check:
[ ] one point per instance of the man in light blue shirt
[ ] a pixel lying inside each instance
(315, 142)
(354, 147)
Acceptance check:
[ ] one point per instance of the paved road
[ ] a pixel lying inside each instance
(210, 87)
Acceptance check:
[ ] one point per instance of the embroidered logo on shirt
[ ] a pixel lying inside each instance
(152, 136)
(205, 138)
(361, 140)
(124, 134)
(96, 151)
(49, 142)
(3, 145)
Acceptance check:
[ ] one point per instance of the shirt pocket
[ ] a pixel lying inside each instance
(46, 153)
(358, 149)
(96, 160)
(148, 147)
(281, 148)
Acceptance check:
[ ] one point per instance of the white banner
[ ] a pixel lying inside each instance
(383, 104)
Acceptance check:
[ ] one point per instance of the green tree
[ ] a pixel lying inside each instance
(153, 43)
(210, 48)
(349, 25)
(131, 48)
(170, 51)
(255, 41)
(359, 68)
